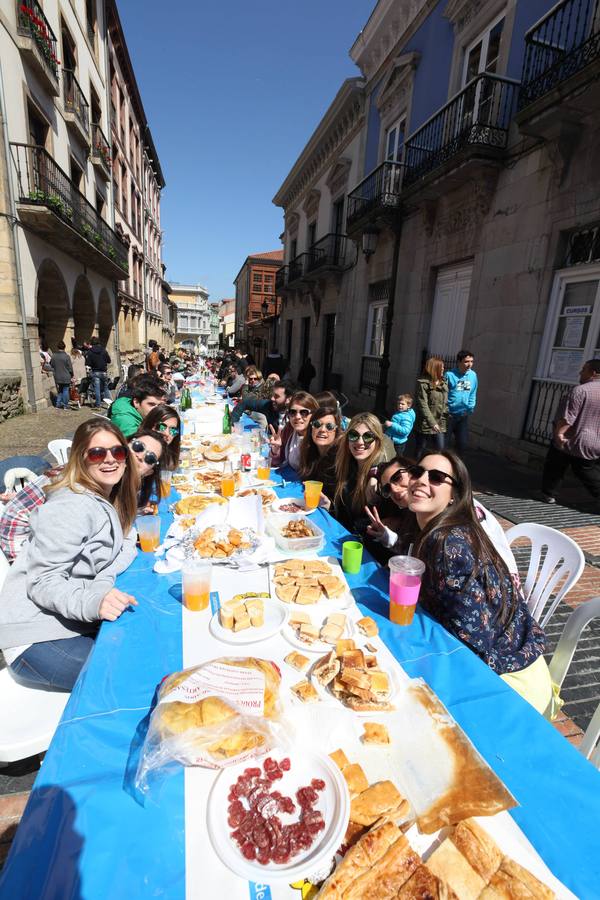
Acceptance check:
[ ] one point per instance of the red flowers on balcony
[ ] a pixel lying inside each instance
(32, 18)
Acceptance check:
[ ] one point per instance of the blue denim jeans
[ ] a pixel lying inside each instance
(459, 427)
(62, 396)
(100, 382)
(429, 442)
(53, 665)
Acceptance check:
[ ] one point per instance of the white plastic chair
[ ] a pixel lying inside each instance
(16, 479)
(60, 450)
(563, 560)
(559, 666)
(29, 717)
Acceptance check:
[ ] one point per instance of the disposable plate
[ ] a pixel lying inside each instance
(276, 506)
(321, 647)
(276, 615)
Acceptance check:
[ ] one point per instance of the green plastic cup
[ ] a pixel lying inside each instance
(352, 552)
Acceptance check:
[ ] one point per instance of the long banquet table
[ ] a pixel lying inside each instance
(84, 833)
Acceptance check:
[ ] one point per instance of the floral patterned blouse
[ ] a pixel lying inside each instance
(465, 599)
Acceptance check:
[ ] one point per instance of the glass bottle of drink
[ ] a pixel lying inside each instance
(227, 420)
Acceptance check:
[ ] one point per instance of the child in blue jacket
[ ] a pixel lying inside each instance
(401, 424)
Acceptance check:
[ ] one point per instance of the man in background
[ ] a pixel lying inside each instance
(462, 397)
(98, 360)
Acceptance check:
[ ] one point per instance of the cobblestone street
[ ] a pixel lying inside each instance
(29, 435)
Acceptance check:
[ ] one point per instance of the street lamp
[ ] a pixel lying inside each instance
(369, 243)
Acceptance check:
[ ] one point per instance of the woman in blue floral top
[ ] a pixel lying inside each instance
(467, 586)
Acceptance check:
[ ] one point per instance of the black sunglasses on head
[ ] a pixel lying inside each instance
(150, 458)
(386, 489)
(434, 476)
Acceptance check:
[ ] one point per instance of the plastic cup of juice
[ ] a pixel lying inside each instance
(195, 580)
(148, 528)
(405, 582)
(165, 484)
(312, 493)
(263, 468)
(352, 552)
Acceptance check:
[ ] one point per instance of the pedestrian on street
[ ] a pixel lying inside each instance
(98, 360)
(462, 397)
(306, 374)
(63, 372)
(152, 357)
(576, 437)
(431, 401)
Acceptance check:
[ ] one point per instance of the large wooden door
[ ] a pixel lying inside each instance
(450, 306)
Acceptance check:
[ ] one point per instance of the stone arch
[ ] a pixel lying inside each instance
(84, 313)
(105, 318)
(52, 304)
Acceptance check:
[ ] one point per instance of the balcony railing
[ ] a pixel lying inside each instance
(297, 267)
(544, 400)
(479, 116)
(100, 146)
(41, 181)
(327, 253)
(281, 279)
(558, 46)
(370, 372)
(378, 192)
(74, 99)
(32, 21)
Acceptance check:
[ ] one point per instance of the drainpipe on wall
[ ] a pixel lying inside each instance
(145, 295)
(12, 218)
(382, 387)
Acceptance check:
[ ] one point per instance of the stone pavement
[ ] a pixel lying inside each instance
(509, 490)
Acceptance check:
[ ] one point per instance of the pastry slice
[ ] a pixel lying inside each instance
(375, 706)
(330, 633)
(424, 885)
(359, 859)
(338, 619)
(332, 586)
(226, 618)
(367, 626)
(478, 848)
(340, 759)
(513, 882)
(316, 567)
(355, 779)
(297, 661)
(374, 733)
(326, 669)
(354, 659)
(307, 595)
(308, 633)
(355, 678)
(384, 879)
(374, 802)
(305, 692)
(344, 644)
(286, 592)
(241, 623)
(379, 683)
(297, 617)
(448, 863)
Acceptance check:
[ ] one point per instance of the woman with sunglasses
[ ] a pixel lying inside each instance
(318, 450)
(431, 406)
(165, 420)
(62, 582)
(467, 585)
(286, 442)
(149, 451)
(255, 385)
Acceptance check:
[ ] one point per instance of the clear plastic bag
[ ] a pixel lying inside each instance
(222, 712)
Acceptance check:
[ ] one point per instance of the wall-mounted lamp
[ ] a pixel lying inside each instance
(369, 243)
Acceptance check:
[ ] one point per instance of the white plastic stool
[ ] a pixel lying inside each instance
(60, 450)
(29, 718)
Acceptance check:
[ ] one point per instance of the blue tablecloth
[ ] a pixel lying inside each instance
(85, 835)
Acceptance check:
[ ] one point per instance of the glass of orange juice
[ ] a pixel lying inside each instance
(165, 483)
(195, 579)
(312, 493)
(263, 468)
(227, 480)
(148, 528)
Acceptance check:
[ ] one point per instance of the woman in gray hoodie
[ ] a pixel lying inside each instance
(62, 583)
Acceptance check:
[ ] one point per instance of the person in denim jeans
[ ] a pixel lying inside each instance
(98, 360)
(63, 372)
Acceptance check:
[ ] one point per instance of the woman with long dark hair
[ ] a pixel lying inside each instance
(286, 443)
(431, 406)
(62, 583)
(317, 455)
(149, 451)
(165, 420)
(467, 585)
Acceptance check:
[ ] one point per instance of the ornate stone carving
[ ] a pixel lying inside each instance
(461, 12)
(311, 204)
(337, 179)
(468, 216)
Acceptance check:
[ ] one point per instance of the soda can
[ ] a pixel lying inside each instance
(245, 462)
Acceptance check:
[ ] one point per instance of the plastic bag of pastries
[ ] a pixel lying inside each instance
(215, 714)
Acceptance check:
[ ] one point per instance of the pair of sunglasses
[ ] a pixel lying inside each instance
(304, 413)
(367, 438)
(328, 426)
(386, 489)
(150, 458)
(435, 476)
(99, 454)
(172, 429)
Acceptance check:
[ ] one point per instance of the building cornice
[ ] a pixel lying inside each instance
(331, 134)
(390, 25)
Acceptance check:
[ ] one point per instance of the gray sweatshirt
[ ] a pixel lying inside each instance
(75, 551)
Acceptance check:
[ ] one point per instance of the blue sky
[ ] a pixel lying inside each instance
(232, 90)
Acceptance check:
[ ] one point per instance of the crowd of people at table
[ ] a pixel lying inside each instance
(71, 536)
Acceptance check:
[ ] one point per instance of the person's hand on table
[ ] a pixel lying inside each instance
(324, 501)
(114, 604)
(375, 528)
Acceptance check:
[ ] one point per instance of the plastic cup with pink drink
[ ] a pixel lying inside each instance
(405, 582)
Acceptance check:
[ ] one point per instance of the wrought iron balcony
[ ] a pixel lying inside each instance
(281, 279)
(370, 374)
(563, 47)
(77, 109)
(100, 155)
(51, 205)
(474, 124)
(327, 255)
(544, 400)
(36, 39)
(376, 198)
(297, 268)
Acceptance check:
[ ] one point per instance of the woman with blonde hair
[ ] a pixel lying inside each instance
(431, 406)
(62, 582)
